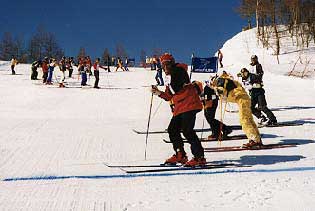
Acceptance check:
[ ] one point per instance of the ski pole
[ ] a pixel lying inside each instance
(148, 126)
(203, 125)
(153, 115)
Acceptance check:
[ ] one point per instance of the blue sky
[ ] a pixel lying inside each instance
(178, 26)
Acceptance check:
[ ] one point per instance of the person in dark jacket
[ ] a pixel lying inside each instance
(159, 73)
(83, 70)
(210, 102)
(97, 67)
(220, 58)
(254, 82)
(186, 101)
(34, 67)
(45, 68)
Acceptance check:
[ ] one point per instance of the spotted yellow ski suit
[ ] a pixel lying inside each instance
(238, 95)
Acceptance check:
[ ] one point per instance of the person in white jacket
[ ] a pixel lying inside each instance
(14, 62)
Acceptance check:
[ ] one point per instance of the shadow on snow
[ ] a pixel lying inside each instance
(197, 172)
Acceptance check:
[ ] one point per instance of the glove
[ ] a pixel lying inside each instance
(155, 90)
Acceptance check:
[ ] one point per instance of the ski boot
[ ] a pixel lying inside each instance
(252, 145)
(61, 85)
(179, 157)
(272, 122)
(196, 162)
(228, 130)
(213, 137)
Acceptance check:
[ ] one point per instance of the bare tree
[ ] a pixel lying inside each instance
(106, 56)
(42, 44)
(7, 47)
(156, 52)
(120, 51)
(81, 53)
(20, 50)
(143, 55)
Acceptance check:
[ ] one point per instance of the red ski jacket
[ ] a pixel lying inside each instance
(187, 99)
(45, 67)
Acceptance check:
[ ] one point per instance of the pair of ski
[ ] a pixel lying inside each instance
(240, 148)
(227, 138)
(233, 127)
(169, 168)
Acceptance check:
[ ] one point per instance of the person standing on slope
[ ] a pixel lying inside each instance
(120, 64)
(52, 65)
(70, 65)
(45, 68)
(14, 62)
(63, 67)
(89, 65)
(186, 100)
(83, 69)
(210, 102)
(159, 73)
(232, 91)
(126, 64)
(34, 67)
(220, 58)
(97, 67)
(108, 63)
(257, 92)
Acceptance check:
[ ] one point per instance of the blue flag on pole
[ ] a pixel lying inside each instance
(205, 65)
(131, 62)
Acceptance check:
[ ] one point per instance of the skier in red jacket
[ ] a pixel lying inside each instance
(185, 98)
(97, 67)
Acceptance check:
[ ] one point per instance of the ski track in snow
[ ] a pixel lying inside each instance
(53, 143)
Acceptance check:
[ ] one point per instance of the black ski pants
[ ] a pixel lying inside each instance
(45, 76)
(214, 123)
(34, 74)
(12, 69)
(258, 98)
(70, 72)
(97, 78)
(185, 122)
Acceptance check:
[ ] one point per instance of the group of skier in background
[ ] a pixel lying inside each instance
(84, 67)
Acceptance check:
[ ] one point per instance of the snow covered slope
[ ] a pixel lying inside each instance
(238, 50)
(54, 143)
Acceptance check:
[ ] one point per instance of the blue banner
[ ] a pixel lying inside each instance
(205, 65)
(131, 62)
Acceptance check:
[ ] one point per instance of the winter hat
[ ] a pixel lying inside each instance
(167, 58)
(254, 57)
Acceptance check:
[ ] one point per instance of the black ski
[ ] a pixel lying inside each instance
(159, 165)
(141, 166)
(210, 166)
(233, 127)
(281, 124)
